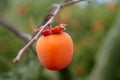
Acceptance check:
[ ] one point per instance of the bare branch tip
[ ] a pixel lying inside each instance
(15, 61)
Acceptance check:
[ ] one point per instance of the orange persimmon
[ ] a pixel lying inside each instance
(55, 51)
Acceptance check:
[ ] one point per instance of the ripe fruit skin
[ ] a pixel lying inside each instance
(55, 51)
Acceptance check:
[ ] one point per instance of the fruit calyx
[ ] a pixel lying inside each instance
(57, 29)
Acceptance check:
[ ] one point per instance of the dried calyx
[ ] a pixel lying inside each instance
(57, 29)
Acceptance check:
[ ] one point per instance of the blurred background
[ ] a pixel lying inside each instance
(94, 27)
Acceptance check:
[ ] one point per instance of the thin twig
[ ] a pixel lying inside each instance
(71, 2)
(17, 32)
(25, 37)
(47, 21)
(37, 35)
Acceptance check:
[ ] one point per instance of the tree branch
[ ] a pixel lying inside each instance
(17, 32)
(71, 2)
(36, 36)
(52, 12)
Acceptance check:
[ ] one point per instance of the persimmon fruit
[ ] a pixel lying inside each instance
(55, 50)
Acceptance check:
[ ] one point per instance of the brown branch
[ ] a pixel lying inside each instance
(37, 35)
(53, 11)
(71, 2)
(17, 32)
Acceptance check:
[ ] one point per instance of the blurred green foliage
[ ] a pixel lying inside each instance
(87, 26)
